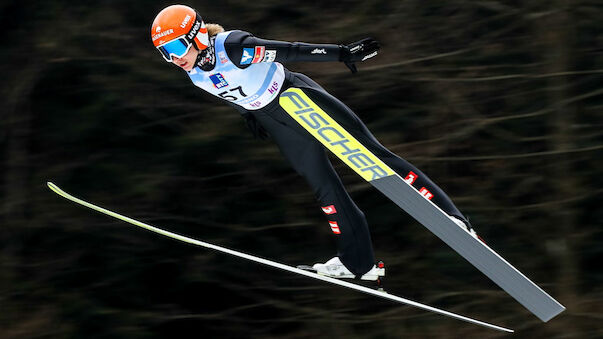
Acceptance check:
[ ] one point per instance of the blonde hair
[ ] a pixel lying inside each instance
(213, 29)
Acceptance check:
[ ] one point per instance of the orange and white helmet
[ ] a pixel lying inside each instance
(175, 29)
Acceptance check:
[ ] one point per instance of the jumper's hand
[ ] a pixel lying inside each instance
(358, 51)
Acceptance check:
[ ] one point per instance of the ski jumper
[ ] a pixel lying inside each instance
(248, 75)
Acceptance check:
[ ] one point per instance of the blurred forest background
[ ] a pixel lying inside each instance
(500, 102)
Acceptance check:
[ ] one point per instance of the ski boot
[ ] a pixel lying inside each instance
(466, 226)
(334, 268)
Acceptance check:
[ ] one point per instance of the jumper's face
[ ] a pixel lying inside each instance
(187, 62)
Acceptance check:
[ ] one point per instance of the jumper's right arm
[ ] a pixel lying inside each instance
(244, 49)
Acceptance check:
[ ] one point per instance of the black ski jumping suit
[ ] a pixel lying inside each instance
(246, 72)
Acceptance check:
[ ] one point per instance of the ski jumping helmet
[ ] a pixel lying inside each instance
(175, 29)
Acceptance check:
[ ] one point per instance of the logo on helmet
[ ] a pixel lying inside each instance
(194, 30)
(158, 29)
(162, 34)
(185, 21)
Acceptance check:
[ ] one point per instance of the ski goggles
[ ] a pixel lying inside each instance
(177, 47)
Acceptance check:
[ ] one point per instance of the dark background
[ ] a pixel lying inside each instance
(498, 101)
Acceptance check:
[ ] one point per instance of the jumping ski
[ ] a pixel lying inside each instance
(274, 264)
(333, 136)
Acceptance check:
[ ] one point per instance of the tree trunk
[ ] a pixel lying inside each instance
(556, 30)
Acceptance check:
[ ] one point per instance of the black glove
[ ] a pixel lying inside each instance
(255, 127)
(358, 51)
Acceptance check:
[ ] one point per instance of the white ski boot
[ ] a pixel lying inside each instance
(465, 226)
(336, 269)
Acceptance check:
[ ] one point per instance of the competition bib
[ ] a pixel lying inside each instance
(251, 88)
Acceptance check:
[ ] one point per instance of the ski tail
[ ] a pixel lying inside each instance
(273, 264)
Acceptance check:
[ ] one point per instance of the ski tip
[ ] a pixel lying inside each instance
(54, 188)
